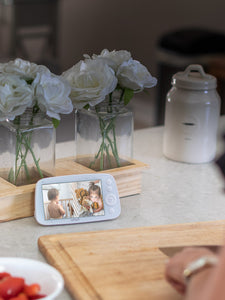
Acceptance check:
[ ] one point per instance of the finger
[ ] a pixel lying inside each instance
(174, 270)
(178, 286)
(176, 265)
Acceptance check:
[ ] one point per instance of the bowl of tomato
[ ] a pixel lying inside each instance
(28, 279)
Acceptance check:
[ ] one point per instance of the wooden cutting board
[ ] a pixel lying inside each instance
(124, 263)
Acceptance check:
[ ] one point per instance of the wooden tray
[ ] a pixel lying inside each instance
(125, 263)
(18, 202)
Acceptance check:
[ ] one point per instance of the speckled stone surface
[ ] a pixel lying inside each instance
(172, 193)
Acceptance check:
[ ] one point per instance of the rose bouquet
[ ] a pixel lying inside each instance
(107, 80)
(28, 90)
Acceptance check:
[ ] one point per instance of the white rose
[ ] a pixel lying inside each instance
(133, 75)
(52, 94)
(15, 96)
(23, 68)
(114, 58)
(91, 81)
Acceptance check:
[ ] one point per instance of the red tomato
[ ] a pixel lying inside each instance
(14, 288)
(11, 287)
(4, 274)
(39, 296)
(21, 296)
(32, 289)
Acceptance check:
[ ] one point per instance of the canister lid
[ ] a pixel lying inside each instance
(194, 78)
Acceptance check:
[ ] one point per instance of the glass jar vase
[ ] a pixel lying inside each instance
(104, 136)
(27, 149)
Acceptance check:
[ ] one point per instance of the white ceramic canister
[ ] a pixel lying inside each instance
(191, 117)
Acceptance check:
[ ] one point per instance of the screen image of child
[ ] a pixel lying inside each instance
(96, 197)
(55, 209)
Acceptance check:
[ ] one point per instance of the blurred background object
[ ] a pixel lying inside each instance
(178, 49)
(58, 32)
(30, 31)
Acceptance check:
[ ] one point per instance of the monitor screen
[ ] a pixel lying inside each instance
(78, 199)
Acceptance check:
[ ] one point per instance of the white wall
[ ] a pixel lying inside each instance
(88, 26)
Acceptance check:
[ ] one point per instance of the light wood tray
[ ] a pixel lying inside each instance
(124, 263)
(18, 202)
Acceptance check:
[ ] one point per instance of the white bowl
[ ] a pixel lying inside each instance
(34, 271)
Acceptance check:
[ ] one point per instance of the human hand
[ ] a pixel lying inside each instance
(178, 263)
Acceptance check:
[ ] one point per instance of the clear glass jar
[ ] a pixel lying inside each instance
(27, 149)
(104, 136)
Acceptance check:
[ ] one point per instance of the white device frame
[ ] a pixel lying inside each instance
(110, 197)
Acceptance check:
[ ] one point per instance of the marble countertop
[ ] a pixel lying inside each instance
(172, 193)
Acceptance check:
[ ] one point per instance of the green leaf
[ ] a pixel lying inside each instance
(86, 106)
(128, 95)
(29, 80)
(16, 121)
(55, 122)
